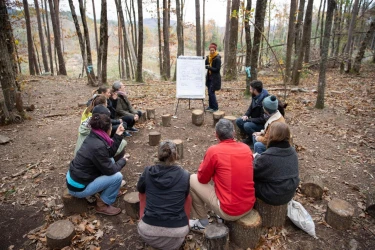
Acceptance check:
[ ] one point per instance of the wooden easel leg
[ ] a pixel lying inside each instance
(178, 101)
(203, 106)
(189, 104)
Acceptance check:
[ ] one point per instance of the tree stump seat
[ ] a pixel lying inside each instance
(73, 205)
(59, 234)
(154, 138)
(150, 113)
(217, 116)
(272, 216)
(312, 186)
(166, 120)
(216, 236)
(339, 214)
(197, 117)
(370, 203)
(132, 205)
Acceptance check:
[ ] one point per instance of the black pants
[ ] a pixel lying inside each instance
(129, 119)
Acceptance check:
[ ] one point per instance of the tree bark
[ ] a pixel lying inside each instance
(204, 28)
(226, 36)
(6, 27)
(180, 27)
(89, 66)
(321, 25)
(103, 47)
(347, 59)
(305, 39)
(198, 28)
(96, 33)
(290, 41)
(30, 49)
(166, 54)
(41, 37)
(56, 32)
(323, 61)
(298, 29)
(258, 30)
(159, 39)
(317, 24)
(6, 66)
(50, 54)
(135, 28)
(231, 68)
(248, 43)
(139, 77)
(362, 49)
(340, 21)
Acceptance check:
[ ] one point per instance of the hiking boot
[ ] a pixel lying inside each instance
(133, 129)
(196, 226)
(103, 208)
(126, 134)
(208, 109)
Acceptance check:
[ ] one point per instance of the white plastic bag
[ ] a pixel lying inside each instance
(301, 218)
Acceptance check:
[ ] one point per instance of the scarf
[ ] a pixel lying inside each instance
(103, 135)
(211, 57)
(121, 93)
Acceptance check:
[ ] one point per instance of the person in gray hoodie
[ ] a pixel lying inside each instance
(276, 169)
(164, 223)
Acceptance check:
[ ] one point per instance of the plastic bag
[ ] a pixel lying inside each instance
(301, 218)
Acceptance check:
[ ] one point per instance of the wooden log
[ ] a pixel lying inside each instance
(59, 234)
(217, 116)
(312, 186)
(132, 205)
(272, 216)
(216, 236)
(180, 148)
(370, 203)
(166, 120)
(154, 138)
(246, 231)
(237, 130)
(150, 113)
(143, 117)
(30, 107)
(339, 214)
(197, 117)
(73, 205)
(19, 102)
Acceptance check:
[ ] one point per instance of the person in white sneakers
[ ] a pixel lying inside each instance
(229, 165)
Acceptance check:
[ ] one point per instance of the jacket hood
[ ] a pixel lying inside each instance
(165, 177)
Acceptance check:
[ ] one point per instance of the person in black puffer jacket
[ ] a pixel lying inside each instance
(164, 224)
(276, 169)
(92, 170)
(213, 77)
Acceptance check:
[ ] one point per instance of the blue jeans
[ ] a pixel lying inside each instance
(108, 184)
(248, 127)
(212, 102)
(258, 146)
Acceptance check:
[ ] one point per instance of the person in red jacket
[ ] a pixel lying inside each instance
(229, 165)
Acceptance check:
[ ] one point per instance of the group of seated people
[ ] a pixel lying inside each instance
(238, 178)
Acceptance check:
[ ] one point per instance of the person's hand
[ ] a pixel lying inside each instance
(120, 120)
(126, 157)
(207, 66)
(244, 118)
(256, 134)
(120, 130)
(136, 117)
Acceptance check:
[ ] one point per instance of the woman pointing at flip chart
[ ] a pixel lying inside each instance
(213, 78)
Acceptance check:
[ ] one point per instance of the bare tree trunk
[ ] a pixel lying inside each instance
(37, 61)
(227, 35)
(338, 31)
(317, 24)
(139, 77)
(166, 54)
(41, 37)
(248, 42)
(180, 38)
(30, 49)
(8, 78)
(362, 49)
(305, 39)
(260, 12)
(321, 26)
(89, 66)
(159, 40)
(203, 28)
(135, 28)
(121, 49)
(324, 55)
(96, 33)
(231, 69)
(290, 41)
(49, 40)
(298, 29)
(269, 27)
(56, 31)
(103, 45)
(198, 28)
(347, 57)
(6, 28)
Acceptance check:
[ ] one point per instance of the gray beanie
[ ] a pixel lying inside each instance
(270, 104)
(116, 85)
(101, 109)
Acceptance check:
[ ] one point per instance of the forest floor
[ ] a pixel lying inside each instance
(336, 143)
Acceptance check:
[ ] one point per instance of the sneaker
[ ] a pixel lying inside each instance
(196, 226)
(123, 183)
(126, 134)
(208, 109)
(133, 129)
(214, 110)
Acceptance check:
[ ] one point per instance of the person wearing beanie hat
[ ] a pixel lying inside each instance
(213, 77)
(260, 139)
(124, 109)
(253, 120)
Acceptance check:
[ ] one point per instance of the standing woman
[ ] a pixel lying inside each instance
(92, 170)
(213, 78)
(164, 224)
(124, 109)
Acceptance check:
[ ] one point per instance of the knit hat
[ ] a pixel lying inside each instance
(116, 85)
(270, 104)
(101, 109)
(213, 45)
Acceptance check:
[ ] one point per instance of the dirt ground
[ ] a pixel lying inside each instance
(336, 143)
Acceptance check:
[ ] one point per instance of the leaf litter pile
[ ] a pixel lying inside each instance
(336, 143)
